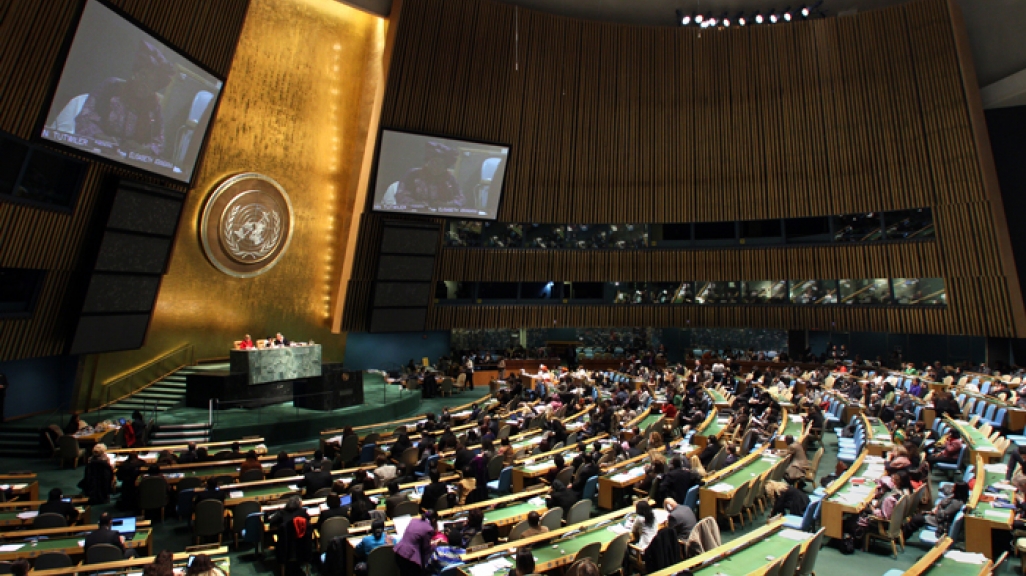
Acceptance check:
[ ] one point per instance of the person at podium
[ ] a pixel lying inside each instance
(280, 341)
(247, 343)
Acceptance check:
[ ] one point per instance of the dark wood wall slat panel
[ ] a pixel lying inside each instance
(31, 35)
(611, 123)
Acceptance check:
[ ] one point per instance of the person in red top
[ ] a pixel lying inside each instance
(247, 343)
(949, 453)
(670, 411)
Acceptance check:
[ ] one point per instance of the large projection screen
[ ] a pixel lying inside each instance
(127, 97)
(440, 176)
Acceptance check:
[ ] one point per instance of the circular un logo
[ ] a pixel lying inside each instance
(246, 225)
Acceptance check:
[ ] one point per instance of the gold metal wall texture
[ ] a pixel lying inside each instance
(31, 35)
(294, 109)
(611, 123)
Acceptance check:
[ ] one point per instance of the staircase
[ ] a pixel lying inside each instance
(19, 441)
(163, 395)
(167, 434)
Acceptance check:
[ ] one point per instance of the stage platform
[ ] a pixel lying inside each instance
(284, 423)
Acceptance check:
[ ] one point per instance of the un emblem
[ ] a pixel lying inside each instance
(246, 225)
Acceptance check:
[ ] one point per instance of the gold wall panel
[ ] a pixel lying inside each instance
(294, 108)
(31, 35)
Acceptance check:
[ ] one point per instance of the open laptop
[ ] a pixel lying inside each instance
(124, 526)
(345, 500)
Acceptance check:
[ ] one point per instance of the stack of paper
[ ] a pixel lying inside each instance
(28, 514)
(536, 501)
(965, 557)
(997, 468)
(236, 494)
(491, 567)
(797, 535)
(10, 547)
(721, 487)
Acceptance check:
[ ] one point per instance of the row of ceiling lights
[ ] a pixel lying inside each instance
(761, 17)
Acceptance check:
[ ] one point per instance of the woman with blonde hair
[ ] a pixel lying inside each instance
(98, 481)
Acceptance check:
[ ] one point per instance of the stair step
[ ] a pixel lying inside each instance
(197, 426)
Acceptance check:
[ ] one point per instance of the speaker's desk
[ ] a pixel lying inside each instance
(265, 365)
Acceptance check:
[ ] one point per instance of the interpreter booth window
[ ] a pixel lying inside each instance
(718, 293)
(587, 291)
(463, 234)
(497, 291)
(502, 235)
(544, 236)
(807, 230)
(765, 292)
(684, 293)
(813, 292)
(545, 291)
(858, 228)
(761, 232)
(631, 293)
(865, 292)
(909, 224)
(452, 292)
(661, 292)
(920, 292)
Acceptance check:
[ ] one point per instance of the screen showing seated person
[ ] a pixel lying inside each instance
(422, 174)
(125, 96)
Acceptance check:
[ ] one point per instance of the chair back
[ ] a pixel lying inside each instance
(506, 480)
(612, 559)
(811, 553)
(442, 502)
(334, 526)
(590, 488)
(152, 493)
(811, 513)
(52, 560)
(68, 447)
(284, 473)
(566, 476)
(209, 518)
(955, 531)
(504, 432)
(408, 508)
(495, 466)
(589, 551)
(49, 520)
(381, 562)
(254, 530)
(349, 450)
(691, 498)
(790, 563)
(368, 453)
(518, 531)
(100, 553)
(253, 475)
(579, 512)
(897, 518)
(814, 465)
(717, 461)
(409, 457)
(738, 500)
(189, 482)
(753, 492)
(240, 512)
(554, 517)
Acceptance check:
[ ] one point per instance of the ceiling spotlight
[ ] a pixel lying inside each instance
(787, 14)
(726, 22)
(712, 22)
(774, 17)
(758, 19)
(741, 21)
(698, 18)
(685, 20)
(805, 12)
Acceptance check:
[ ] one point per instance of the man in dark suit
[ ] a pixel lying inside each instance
(280, 341)
(189, 456)
(678, 480)
(433, 490)
(314, 480)
(394, 498)
(211, 493)
(105, 535)
(562, 497)
(335, 508)
(55, 504)
(587, 470)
